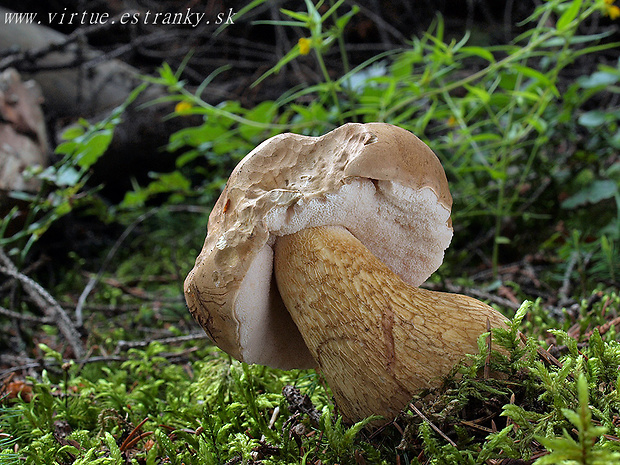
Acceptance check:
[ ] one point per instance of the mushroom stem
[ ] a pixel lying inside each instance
(377, 339)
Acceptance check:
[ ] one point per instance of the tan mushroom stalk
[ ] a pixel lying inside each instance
(377, 339)
(354, 220)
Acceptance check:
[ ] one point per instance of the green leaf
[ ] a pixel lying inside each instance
(72, 133)
(303, 18)
(66, 148)
(167, 75)
(615, 140)
(496, 174)
(573, 416)
(342, 22)
(67, 176)
(525, 307)
(502, 240)
(291, 55)
(264, 112)
(115, 452)
(480, 93)
(331, 11)
(485, 137)
(594, 193)
(569, 15)
(94, 148)
(598, 79)
(538, 123)
(478, 51)
(537, 76)
(49, 352)
(572, 40)
(168, 447)
(593, 119)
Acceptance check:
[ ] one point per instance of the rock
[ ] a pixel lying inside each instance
(23, 139)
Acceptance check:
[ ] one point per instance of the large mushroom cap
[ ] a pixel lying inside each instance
(378, 181)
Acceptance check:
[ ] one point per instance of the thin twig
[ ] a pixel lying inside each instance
(136, 440)
(46, 363)
(128, 442)
(92, 282)
(47, 303)
(383, 25)
(31, 55)
(52, 362)
(471, 424)
(431, 424)
(566, 281)
(603, 328)
(28, 318)
(114, 309)
(298, 402)
(27, 270)
(473, 292)
(545, 355)
(124, 345)
(139, 293)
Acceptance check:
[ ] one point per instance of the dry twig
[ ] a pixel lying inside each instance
(298, 402)
(124, 345)
(431, 424)
(473, 292)
(173, 357)
(92, 282)
(28, 318)
(46, 303)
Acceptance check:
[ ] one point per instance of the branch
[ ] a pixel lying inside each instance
(173, 357)
(431, 424)
(94, 280)
(124, 345)
(46, 303)
(28, 318)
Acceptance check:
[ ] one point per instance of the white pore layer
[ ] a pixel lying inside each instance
(405, 228)
(258, 327)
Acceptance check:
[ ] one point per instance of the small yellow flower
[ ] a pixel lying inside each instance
(304, 45)
(611, 10)
(451, 121)
(183, 107)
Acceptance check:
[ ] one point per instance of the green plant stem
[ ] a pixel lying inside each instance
(491, 69)
(498, 229)
(341, 45)
(329, 82)
(345, 63)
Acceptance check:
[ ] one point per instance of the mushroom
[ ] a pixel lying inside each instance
(313, 257)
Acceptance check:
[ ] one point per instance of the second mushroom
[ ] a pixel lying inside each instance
(313, 257)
